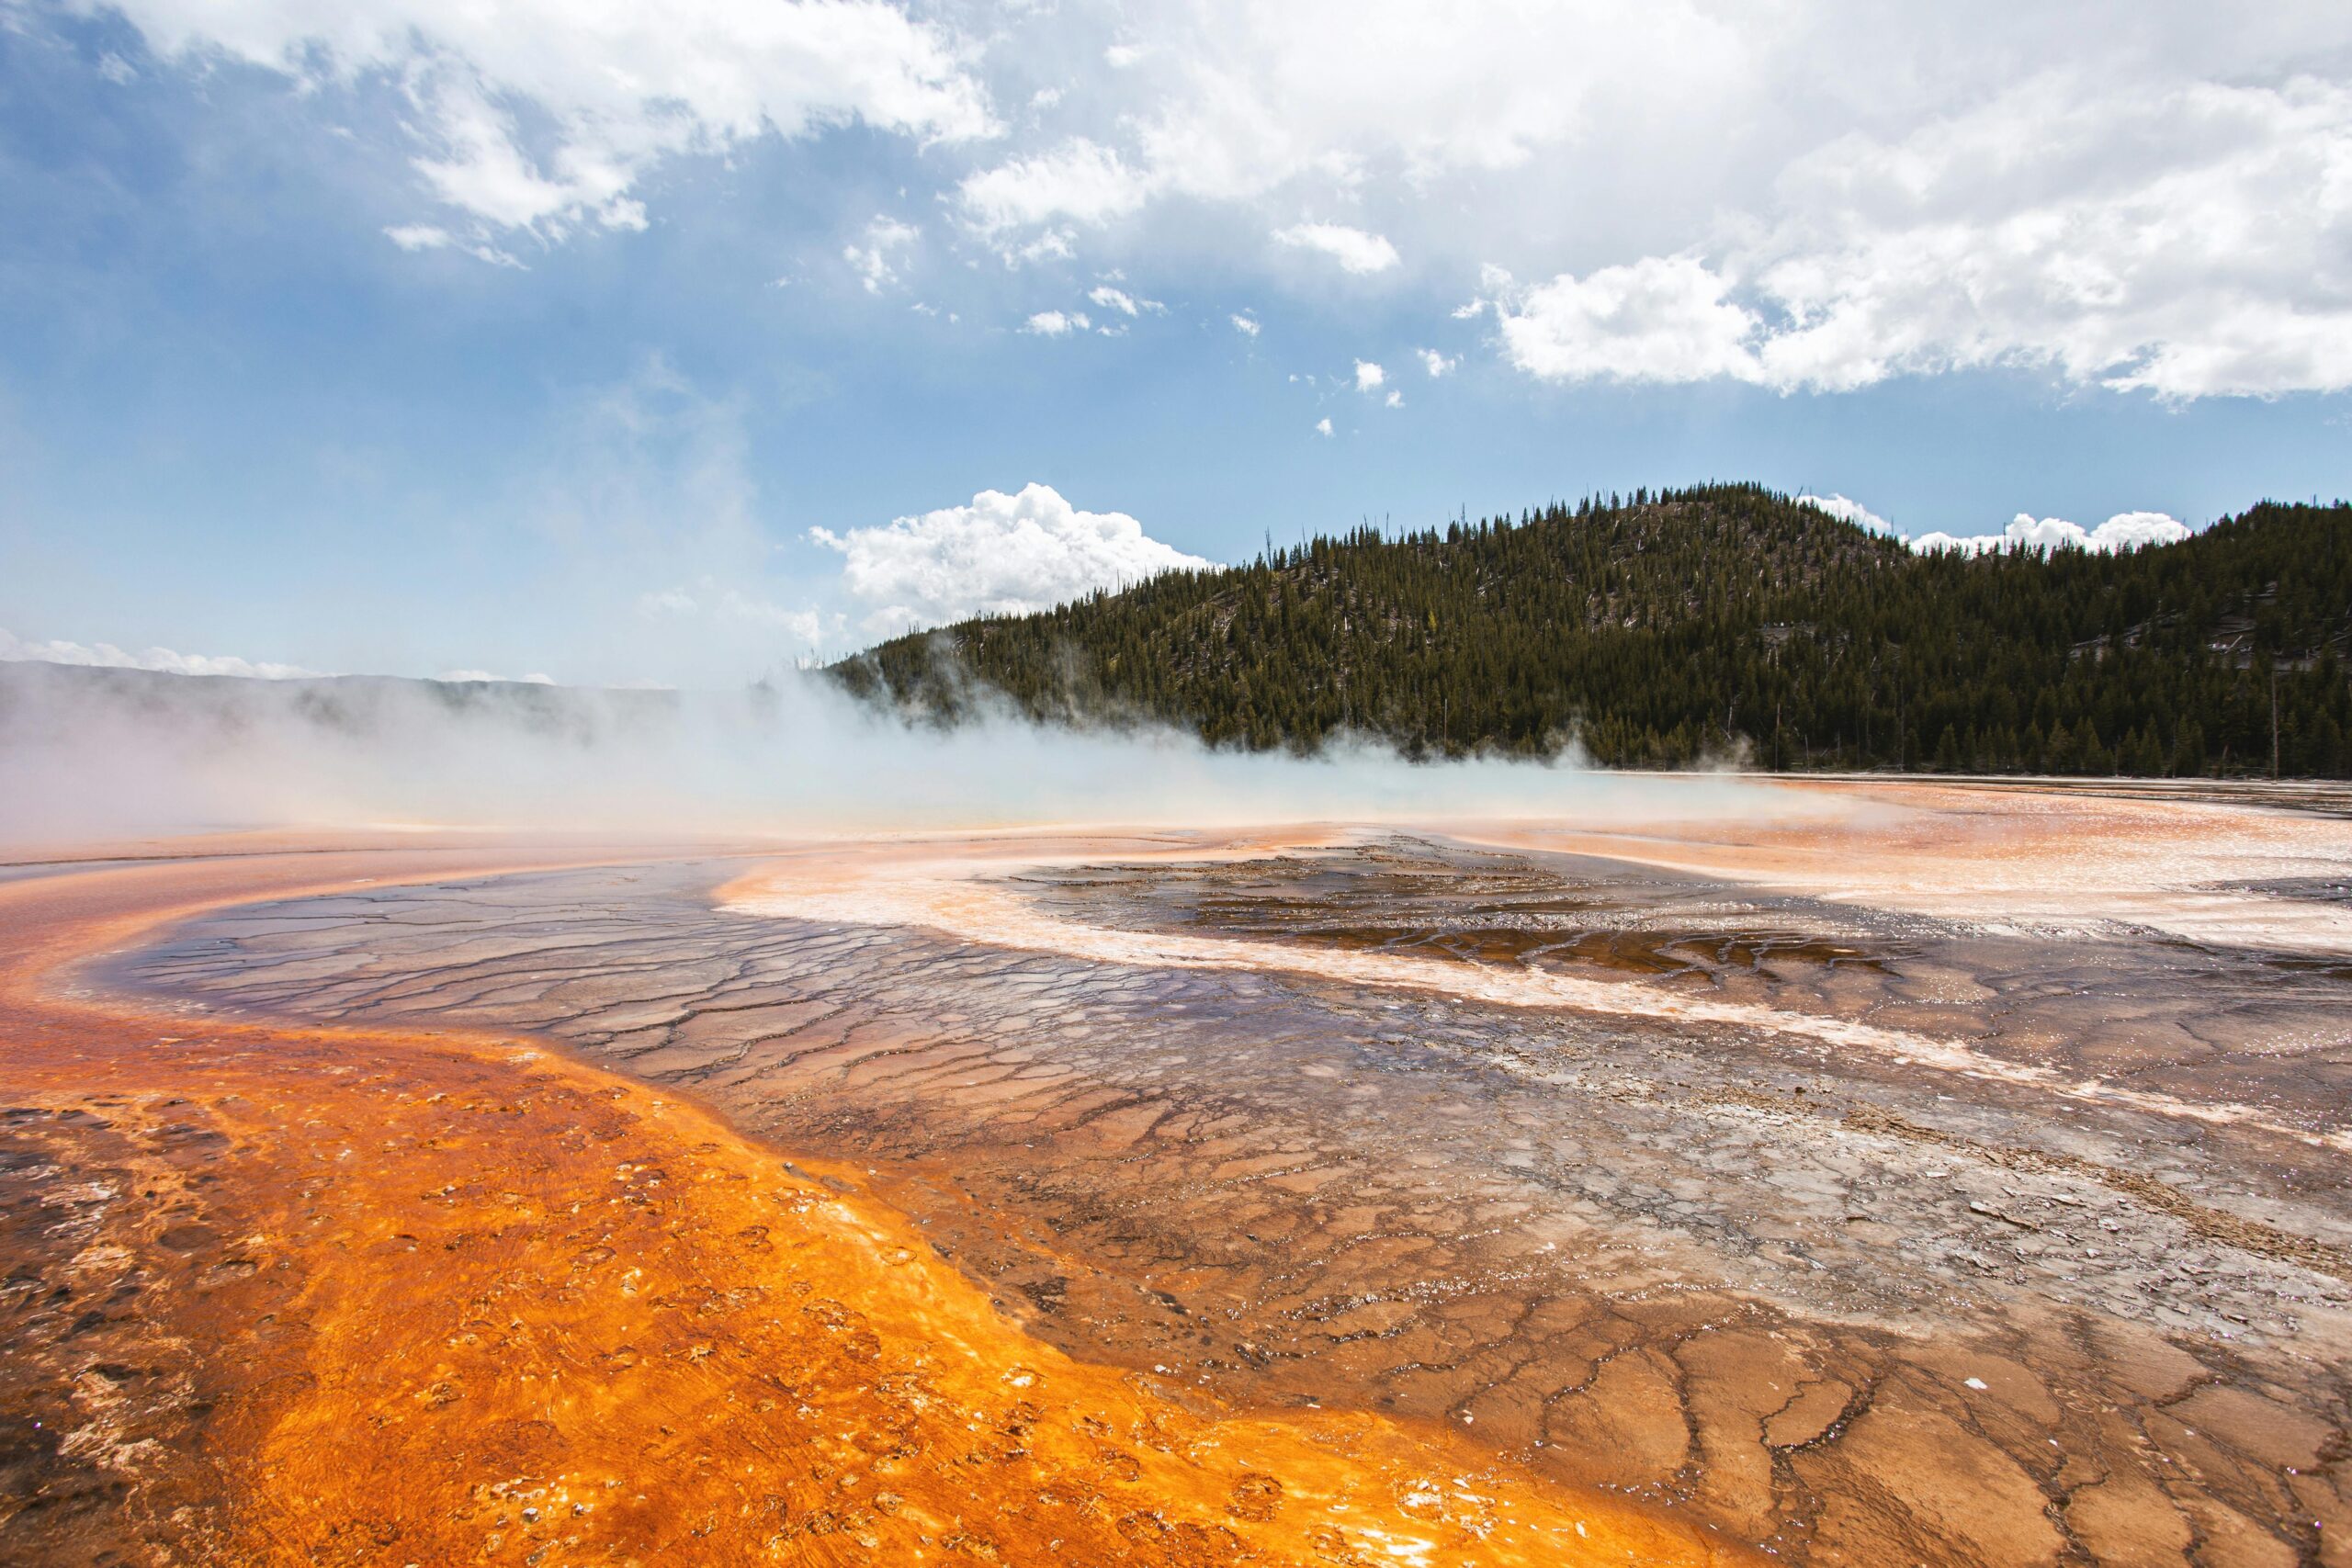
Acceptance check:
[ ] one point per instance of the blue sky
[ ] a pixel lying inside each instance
(540, 338)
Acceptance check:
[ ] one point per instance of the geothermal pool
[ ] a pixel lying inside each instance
(1928, 1174)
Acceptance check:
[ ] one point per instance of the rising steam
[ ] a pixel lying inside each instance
(94, 753)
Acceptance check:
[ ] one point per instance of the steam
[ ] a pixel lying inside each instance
(91, 753)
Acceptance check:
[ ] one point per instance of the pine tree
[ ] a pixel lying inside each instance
(1695, 620)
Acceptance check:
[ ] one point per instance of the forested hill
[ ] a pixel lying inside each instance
(1717, 621)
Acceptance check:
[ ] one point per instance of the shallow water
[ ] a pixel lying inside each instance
(1867, 1230)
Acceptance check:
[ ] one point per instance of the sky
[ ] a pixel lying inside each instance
(616, 344)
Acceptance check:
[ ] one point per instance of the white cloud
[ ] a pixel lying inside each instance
(1246, 325)
(873, 262)
(1661, 319)
(1322, 427)
(1002, 554)
(1355, 250)
(1053, 244)
(1847, 510)
(416, 237)
(106, 655)
(2129, 530)
(537, 678)
(543, 115)
(2124, 531)
(1057, 323)
(1119, 299)
(1395, 400)
(1081, 180)
(1437, 364)
(2195, 244)
(1814, 196)
(1368, 376)
(1811, 197)
(1232, 101)
(2189, 243)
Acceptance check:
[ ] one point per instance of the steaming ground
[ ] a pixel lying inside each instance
(115, 753)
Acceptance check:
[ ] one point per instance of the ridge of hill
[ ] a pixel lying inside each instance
(1717, 621)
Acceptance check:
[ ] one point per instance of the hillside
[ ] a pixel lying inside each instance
(1719, 621)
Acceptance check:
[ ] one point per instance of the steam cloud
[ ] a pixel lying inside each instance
(98, 753)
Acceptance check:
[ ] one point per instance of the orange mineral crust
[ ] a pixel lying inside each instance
(344, 1296)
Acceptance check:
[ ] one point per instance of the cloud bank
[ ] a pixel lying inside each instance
(2124, 531)
(106, 655)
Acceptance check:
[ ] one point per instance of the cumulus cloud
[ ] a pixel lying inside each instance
(1355, 250)
(2202, 246)
(1246, 325)
(1001, 555)
(2124, 531)
(1369, 377)
(2195, 244)
(17, 649)
(1057, 323)
(1437, 364)
(1848, 511)
(541, 115)
(1322, 427)
(1081, 180)
(1660, 319)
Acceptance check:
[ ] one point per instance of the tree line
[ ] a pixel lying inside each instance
(1721, 621)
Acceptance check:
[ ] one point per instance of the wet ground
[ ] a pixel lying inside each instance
(278, 1293)
(1861, 1232)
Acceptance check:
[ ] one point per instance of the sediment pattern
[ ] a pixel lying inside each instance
(1842, 1304)
(285, 1293)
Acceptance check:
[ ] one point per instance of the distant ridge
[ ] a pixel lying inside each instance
(38, 698)
(1719, 621)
